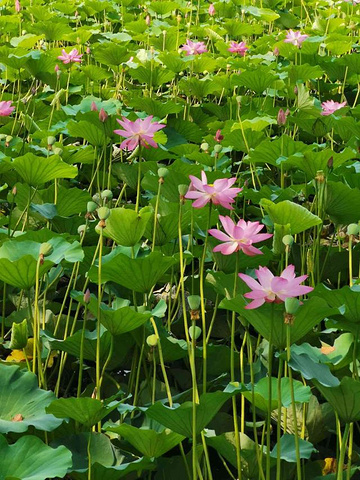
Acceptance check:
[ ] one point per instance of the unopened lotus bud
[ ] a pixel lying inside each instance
(276, 52)
(152, 340)
(57, 151)
(281, 117)
(56, 68)
(46, 249)
(162, 173)
(194, 332)
(330, 163)
(204, 147)
(103, 116)
(182, 189)
(81, 229)
(93, 107)
(288, 240)
(87, 296)
(148, 20)
(91, 206)
(352, 229)
(14, 190)
(218, 136)
(211, 10)
(296, 90)
(217, 148)
(107, 195)
(103, 213)
(88, 50)
(194, 302)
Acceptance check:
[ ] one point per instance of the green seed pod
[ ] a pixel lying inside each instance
(82, 229)
(51, 140)
(8, 138)
(217, 148)
(91, 206)
(57, 151)
(152, 340)
(163, 172)
(96, 198)
(194, 332)
(182, 189)
(292, 305)
(46, 249)
(103, 213)
(204, 147)
(352, 229)
(194, 302)
(288, 240)
(19, 335)
(107, 195)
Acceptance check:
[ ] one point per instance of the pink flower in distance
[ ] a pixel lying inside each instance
(296, 38)
(73, 57)
(141, 132)
(330, 107)
(211, 10)
(17, 6)
(103, 116)
(6, 109)
(239, 236)
(219, 193)
(194, 48)
(269, 288)
(239, 48)
(93, 107)
(218, 136)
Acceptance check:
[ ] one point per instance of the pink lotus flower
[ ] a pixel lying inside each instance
(239, 236)
(218, 136)
(17, 6)
(296, 38)
(330, 107)
(194, 48)
(73, 57)
(211, 10)
(141, 132)
(270, 289)
(219, 193)
(6, 109)
(239, 48)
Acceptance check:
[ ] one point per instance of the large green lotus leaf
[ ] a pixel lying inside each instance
(111, 54)
(36, 170)
(311, 368)
(302, 393)
(70, 201)
(344, 398)
(101, 472)
(288, 450)
(21, 273)
(179, 417)
(312, 162)
(289, 213)
(89, 131)
(125, 226)
(342, 203)
(21, 396)
(30, 459)
(150, 443)
(225, 444)
(309, 314)
(116, 320)
(277, 151)
(257, 80)
(72, 346)
(85, 410)
(138, 274)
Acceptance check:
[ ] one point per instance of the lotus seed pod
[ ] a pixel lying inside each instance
(152, 340)
(217, 148)
(194, 302)
(82, 229)
(91, 206)
(51, 140)
(57, 151)
(182, 189)
(2, 136)
(163, 172)
(8, 138)
(46, 249)
(103, 213)
(194, 332)
(288, 240)
(352, 229)
(96, 198)
(292, 305)
(204, 147)
(107, 195)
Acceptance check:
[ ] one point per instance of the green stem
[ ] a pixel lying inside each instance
(340, 469)
(81, 358)
(138, 188)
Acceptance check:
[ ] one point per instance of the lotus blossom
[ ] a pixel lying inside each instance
(239, 48)
(218, 136)
(6, 109)
(296, 38)
(270, 289)
(219, 193)
(194, 48)
(17, 6)
(73, 57)
(141, 132)
(330, 107)
(211, 10)
(239, 236)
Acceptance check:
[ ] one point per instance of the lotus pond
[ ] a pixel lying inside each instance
(179, 240)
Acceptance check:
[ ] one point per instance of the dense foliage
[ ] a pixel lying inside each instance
(179, 258)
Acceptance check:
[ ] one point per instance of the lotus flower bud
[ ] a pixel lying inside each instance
(194, 332)
(91, 207)
(211, 10)
(46, 249)
(87, 296)
(148, 20)
(281, 117)
(14, 190)
(103, 116)
(93, 107)
(276, 52)
(152, 340)
(218, 137)
(107, 195)
(103, 213)
(88, 50)
(352, 229)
